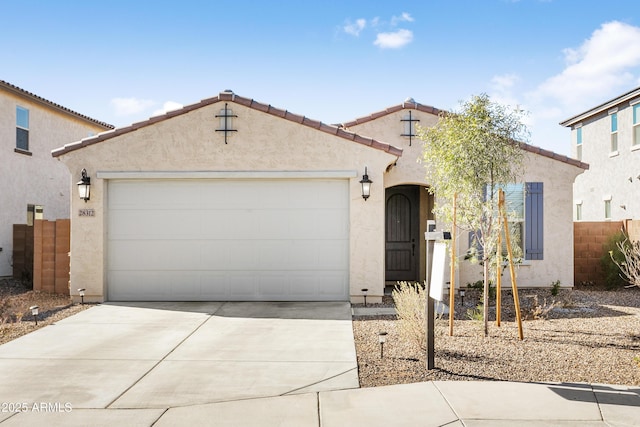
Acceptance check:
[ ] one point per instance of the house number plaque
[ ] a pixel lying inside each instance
(86, 212)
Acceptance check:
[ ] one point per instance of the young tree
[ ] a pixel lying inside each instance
(468, 155)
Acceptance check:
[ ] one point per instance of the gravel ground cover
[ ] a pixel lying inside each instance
(578, 336)
(15, 316)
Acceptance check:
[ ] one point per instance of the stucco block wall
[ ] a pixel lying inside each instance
(189, 142)
(36, 179)
(609, 172)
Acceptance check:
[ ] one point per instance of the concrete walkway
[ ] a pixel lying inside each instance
(255, 364)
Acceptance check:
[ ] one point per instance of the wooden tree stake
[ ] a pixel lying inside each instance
(514, 285)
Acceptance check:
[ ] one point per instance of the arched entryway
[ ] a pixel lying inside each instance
(407, 208)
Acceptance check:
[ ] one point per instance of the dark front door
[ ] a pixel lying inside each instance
(402, 233)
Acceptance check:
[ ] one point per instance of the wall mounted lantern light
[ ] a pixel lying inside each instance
(84, 186)
(366, 185)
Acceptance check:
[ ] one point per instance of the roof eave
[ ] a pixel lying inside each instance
(602, 107)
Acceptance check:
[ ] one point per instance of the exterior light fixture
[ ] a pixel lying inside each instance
(364, 293)
(81, 292)
(34, 312)
(366, 185)
(461, 292)
(84, 186)
(382, 338)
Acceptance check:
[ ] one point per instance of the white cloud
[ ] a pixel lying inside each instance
(394, 40)
(166, 107)
(605, 64)
(405, 17)
(130, 106)
(502, 91)
(354, 28)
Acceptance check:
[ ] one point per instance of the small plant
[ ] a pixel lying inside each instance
(476, 313)
(629, 266)
(410, 300)
(555, 288)
(479, 286)
(612, 259)
(540, 311)
(637, 360)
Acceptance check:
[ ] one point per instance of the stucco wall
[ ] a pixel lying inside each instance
(556, 175)
(557, 262)
(36, 179)
(263, 142)
(609, 172)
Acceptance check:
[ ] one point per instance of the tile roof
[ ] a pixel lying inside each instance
(34, 97)
(410, 104)
(229, 96)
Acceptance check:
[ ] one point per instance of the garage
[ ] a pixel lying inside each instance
(227, 239)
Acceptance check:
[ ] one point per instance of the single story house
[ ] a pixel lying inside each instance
(233, 199)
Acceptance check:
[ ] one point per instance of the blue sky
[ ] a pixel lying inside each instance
(123, 61)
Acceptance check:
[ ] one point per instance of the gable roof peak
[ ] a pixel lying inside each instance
(229, 95)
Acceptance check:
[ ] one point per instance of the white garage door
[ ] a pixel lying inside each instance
(228, 240)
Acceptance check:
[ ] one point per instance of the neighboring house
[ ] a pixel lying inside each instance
(232, 199)
(607, 137)
(34, 185)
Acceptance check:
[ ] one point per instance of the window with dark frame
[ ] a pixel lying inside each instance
(22, 128)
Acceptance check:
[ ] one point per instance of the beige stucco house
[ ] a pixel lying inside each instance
(232, 199)
(34, 185)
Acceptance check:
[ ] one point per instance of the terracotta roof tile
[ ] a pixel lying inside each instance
(412, 105)
(393, 109)
(34, 97)
(229, 96)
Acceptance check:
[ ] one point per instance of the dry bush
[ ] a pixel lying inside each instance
(540, 311)
(410, 301)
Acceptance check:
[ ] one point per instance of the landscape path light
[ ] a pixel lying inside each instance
(34, 312)
(364, 293)
(81, 292)
(382, 338)
(461, 292)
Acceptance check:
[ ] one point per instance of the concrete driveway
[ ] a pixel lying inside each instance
(148, 357)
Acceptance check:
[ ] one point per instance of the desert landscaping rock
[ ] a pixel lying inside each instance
(589, 336)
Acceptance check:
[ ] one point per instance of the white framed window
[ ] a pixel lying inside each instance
(34, 212)
(636, 125)
(525, 214)
(579, 211)
(607, 209)
(614, 133)
(579, 143)
(22, 128)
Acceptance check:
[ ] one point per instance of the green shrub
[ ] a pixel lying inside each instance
(611, 257)
(555, 288)
(479, 286)
(410, 301)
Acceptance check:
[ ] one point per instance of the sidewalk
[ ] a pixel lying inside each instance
(430, 404)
